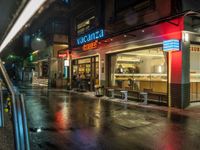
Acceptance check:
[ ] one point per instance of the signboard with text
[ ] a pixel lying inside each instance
(95, 35)
(90, 46)
(171, 45)
(62, 54)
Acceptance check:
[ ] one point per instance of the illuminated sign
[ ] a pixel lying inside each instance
(66, 63)
(89, 46)
(62, 55)
(90, 37)
(171, 45)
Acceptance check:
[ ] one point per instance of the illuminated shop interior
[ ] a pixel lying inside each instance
(142, 70)
(194, 72)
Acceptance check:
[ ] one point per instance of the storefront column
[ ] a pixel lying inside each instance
(179, 73)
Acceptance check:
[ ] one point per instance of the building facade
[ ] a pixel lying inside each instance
(149, 45)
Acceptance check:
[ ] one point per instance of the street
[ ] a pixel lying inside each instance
(61, 120)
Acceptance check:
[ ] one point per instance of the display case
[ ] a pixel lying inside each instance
(194, 77)
(141, 77)
(141, 82)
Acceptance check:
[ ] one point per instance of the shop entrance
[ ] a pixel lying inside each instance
(143, 70)
(85, 73)
(194, 73)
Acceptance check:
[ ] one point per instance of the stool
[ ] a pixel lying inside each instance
(111, 92)
(98, 90)
(124, 95)
(144, 95)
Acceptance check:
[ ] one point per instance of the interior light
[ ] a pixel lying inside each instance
(39, 130)
(30, 9)
(185, 37)
(38, 39)
(35, 52)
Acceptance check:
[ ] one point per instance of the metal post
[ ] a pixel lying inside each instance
(26, 133)
(1, 107)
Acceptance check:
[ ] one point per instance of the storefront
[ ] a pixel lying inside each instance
(139, 70)
(194, 72)
(162, 60)
(85, 73)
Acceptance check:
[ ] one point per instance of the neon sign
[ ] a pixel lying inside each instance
(90, 37)
(89, 46)
(62, 55)
(171, 45)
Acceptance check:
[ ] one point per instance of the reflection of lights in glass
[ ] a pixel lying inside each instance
(30, 9)
(39, 130)
(38, 39)
(35, 52)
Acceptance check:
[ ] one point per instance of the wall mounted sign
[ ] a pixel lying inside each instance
(98, 34)
(62, 55)
(171, 45)
(90, 46)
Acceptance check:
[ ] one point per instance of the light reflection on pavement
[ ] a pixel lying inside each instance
(73, 121)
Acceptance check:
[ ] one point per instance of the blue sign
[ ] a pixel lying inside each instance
(90, 37)
(171, 45)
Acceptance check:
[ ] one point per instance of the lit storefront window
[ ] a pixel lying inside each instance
(139, 70)
(194, 72)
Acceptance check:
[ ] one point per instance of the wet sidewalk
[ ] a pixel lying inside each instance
(192, 111)
(63, 120)
(6, 135)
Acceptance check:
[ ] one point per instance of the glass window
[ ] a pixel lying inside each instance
(139, 70)
(85, 25)
(137, 4)
(194, 72)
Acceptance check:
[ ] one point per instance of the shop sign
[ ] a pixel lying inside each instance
(62, 55)
(171, 45)
(90, 46)
(98, 34)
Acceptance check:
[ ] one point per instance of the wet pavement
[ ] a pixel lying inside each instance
(6, 134)
(68, 121)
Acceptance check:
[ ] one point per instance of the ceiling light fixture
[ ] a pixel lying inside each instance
(30, 9)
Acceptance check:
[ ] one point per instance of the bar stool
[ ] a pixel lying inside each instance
(111, 92)
(98, 90)
(144, 96)
(124, 95)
